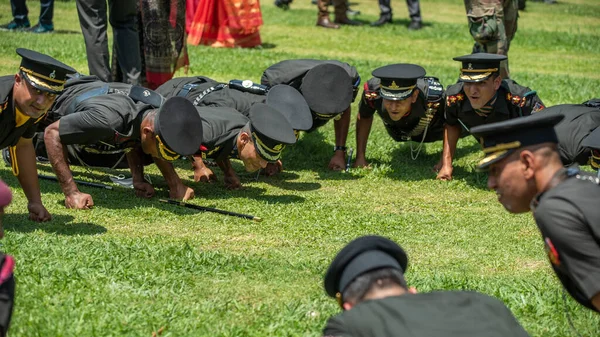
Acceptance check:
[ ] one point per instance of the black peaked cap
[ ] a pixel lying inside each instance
(363, 254)
(478, 67)
(179, 126)
(501, 139)
(44, 72)
(327, 88)
(271, 131)
(290, 103)
(398, 81)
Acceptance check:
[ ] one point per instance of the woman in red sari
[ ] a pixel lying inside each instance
(224, 23)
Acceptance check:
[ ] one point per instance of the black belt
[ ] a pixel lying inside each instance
(186, 89)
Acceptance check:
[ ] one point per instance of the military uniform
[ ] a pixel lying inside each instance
(493, 24)
(269, 129)
(579, 122)
(107, 102)
(425, 122)
(513, 101)
(448, 313)
(93, 19)
(12, 126)
(328, 92)
(240, 95)
(441, 313)
(221, 127)
(44, 74)
(510, 101)
(565, 209)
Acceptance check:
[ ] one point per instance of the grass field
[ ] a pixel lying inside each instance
(130, 267)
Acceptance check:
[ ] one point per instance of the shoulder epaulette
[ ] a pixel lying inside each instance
(370, 94)
(454, 99)
(516, 100)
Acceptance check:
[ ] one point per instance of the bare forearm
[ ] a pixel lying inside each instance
(28, 178)
(341, 127)
(225, 166)
(58, 160)
(363, 128)
(451, 135)
(136, 164)
(168, 172)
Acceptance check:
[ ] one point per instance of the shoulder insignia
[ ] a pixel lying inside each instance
(538, 106)
(508, 96)
(213, 150)
(552, 252)
(454, 99)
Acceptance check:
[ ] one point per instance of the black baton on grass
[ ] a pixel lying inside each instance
(79, 182)
(210, 209)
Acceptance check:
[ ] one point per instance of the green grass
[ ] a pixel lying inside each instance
(130, 267)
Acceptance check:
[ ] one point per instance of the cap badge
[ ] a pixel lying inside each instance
(470, 66)
(394, 86)
(53, 74)
(278, 147)
(146, 93)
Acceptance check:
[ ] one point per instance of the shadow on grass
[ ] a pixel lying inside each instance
(406, 169)
(60, 224)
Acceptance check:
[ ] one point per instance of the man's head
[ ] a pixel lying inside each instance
(327, 88)
(398, 87)
(39, 80)
(290, 103)
(481, 77)
(173, 130)
(263, 139)
(369, 267)
(521, 157)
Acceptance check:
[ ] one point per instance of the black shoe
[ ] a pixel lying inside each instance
(383, 19)
(415, 25)
(283, 4)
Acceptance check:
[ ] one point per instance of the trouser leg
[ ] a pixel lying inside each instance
(385, 7)
(414, 10)
(123, 19)
(93, 21)
(46, 11)
(19, 10)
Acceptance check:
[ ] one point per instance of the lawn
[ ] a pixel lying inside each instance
(132, 267)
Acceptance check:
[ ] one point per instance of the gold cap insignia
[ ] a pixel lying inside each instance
(470, 66)
(394, 86)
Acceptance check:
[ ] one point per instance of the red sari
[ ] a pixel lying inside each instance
(225, 23)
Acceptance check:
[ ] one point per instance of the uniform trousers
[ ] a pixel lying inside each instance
(20, 11)
(122, 15)
(414, 9)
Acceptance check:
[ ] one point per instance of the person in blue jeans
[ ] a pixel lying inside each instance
(21, 22)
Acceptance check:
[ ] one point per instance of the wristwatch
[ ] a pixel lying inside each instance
(339, 148)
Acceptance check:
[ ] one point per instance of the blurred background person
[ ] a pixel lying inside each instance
(21, 21)
(122, 15)
(225, 23)
(414, 11)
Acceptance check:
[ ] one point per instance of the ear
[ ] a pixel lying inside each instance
(147, 130)
(244, 137)
(528, 163)
(18, 79)
(347, 306)
(412, 290)
(497, 82)
(414, 95)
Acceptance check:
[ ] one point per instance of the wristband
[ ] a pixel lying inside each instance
(339, 148)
